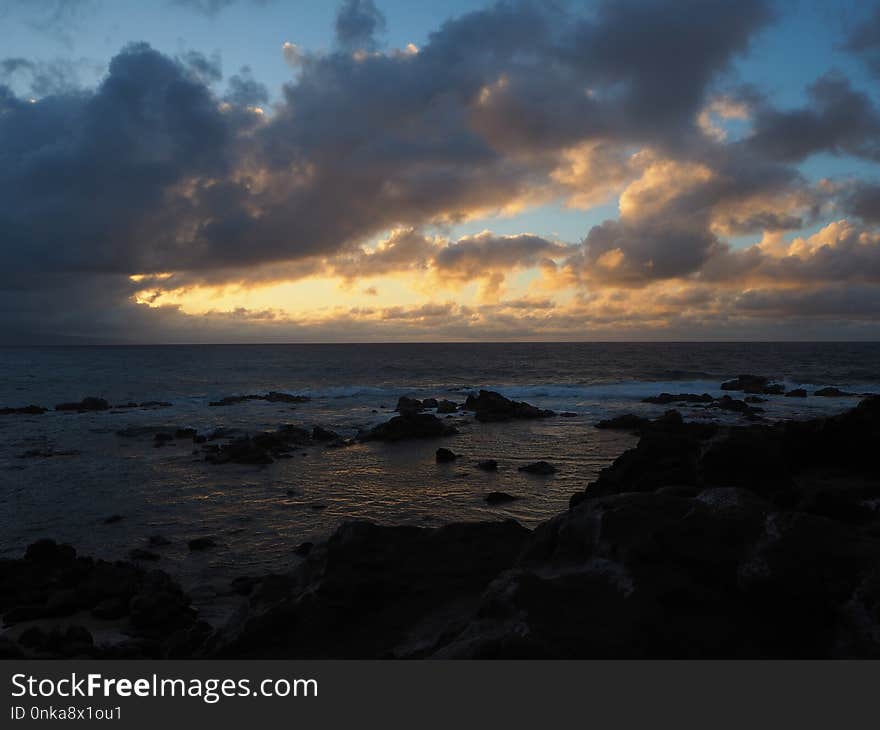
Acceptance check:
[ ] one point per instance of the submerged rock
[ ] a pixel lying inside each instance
(499, 498)
(30, 410)
(666, 398)
(272, 397)
(796, 393)
(86, 404)
(754, 384)
(488, 465)
(833, 393)
(446, 406)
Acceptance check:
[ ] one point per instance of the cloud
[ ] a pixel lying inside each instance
(357, 23)
(864, 41)
(159, 170)
(212, 8)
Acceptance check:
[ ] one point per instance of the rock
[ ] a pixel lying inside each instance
(113, 519)
(499, 498)
(754, 384)
(30, 410)
(304, 548)
(666, 398)
(86, 404)
(625, 422)
(162, 438)
(833, 393)
(430, 403)
(323, 434)
(201, 543)
(726, 403)
(272, 397)
(143, 555)
(160, 606)
(373, 591)
(408, 405)
(568, 414)
(488, 465)
(754, 399)
(796, 393)
(243, 585)
(444, 456)
(446, 406)
(111, 609)
(538, 467)
(409, 425)
(185, 433)
(158, 541)
(491, 406)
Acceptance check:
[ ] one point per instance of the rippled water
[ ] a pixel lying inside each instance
(171, 491)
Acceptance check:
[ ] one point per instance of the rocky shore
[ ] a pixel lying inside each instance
(705, 541)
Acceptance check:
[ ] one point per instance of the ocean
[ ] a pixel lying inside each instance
(85, 472)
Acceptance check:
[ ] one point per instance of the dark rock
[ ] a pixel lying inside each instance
(625, 422)
(243, 585)
(409, 425)
(444, 456)
(323, 434)
(158, 541)
(491, 406)
(408, 405)
(796, 393)
(201, 543)
(726, 403)
(446, 406)
(112, 608)
(143, 555)
(499, 498)
(488, 465)
(538, 467)
(666, 398)
(833, 393)
(754, 399)
(429, 403)
(568, 414)
(754, 384)
(113, 519)
(86, 404)
(272, 397)
(30, 410)
(185, 433)
(304, 548)
(162, 438)
(370, 590)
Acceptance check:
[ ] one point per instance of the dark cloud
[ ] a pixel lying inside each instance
(357, 23)
(864, 41)
(838, 119)
(864, 201)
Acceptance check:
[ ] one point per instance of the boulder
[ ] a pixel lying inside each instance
(538, 467)
(499, 498)
(754, 384)
(444, 456)
(446, 406)
(408, 405)
(833, 393)
(491, 406)
(666, 398)
(487, 465)
(430, 403)
(409, 425)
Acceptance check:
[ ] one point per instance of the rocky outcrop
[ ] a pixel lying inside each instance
(53, 586)
(372, 591)
(273, 396)
(409, 425)
(491, 406)
(833, 393)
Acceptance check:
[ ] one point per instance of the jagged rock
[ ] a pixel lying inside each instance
(491, 406)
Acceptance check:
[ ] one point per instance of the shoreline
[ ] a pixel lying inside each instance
(704, 541)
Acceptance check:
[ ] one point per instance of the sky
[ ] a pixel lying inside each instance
(381, 170)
